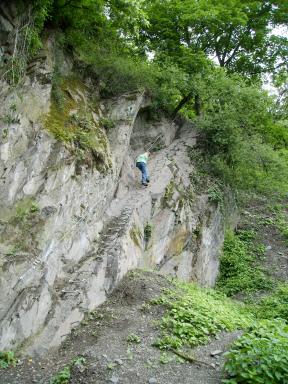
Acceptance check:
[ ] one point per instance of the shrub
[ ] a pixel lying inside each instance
(260, 355)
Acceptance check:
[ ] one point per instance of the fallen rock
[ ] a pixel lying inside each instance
(216, 352)
(152, 380)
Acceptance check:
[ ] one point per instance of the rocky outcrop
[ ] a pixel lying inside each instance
(71, 229)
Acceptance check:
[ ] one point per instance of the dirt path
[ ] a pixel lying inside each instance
(110, 358)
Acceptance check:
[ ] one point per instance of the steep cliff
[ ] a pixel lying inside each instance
(74, 216)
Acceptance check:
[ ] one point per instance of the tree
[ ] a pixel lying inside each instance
(237, 33)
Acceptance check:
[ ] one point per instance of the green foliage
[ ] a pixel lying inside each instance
(240, 134)
(62, 377)
(260, 355)
(78, 131)
(133, 338)
(215, 195)
(274, 305)
(135, 235)
(195, 315)
(279, 219)
(281, 223)
(79, 362)
(121, 72)
(7, 359)
(238, 36)
(165, 358)
(244, 132)
(107, 124)
(24, 210)
(13, 251)
(9, 119)
(147, 231)
(240, 270)
(27, 40)
(111, 366)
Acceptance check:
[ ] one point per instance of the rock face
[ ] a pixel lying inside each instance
(69, 231)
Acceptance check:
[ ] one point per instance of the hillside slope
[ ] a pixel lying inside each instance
(109, 358)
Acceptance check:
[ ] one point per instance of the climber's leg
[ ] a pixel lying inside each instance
(143, 169)
(145, 176)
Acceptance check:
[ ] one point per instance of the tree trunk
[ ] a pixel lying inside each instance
(182, 103)
(197, 105)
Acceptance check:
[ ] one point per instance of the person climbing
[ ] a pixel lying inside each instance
(141, 163)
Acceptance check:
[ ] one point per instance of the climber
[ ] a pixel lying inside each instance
(141, 163)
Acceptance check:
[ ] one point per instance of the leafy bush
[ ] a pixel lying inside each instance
(260, 355)
(239, 271)
(196, 315)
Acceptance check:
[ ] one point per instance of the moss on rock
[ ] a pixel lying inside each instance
(135, 235)
(71, 122)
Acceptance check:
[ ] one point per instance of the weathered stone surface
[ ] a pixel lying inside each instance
(87, 229)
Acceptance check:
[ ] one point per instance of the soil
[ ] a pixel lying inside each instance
(109, 358)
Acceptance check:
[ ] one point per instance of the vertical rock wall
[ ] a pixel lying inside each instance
(70, 232)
